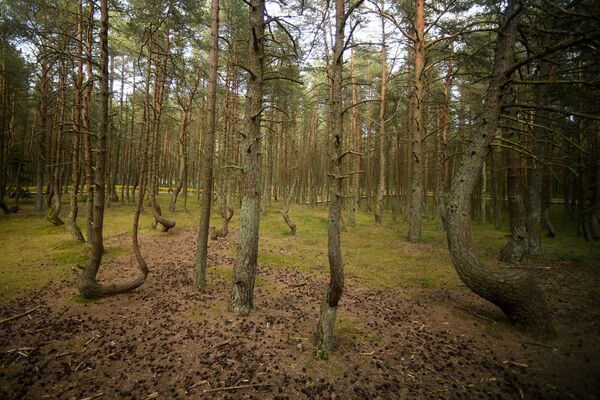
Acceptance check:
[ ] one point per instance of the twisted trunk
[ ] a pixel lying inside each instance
(331, 298)
(72, 226)
(513, 290)
(89, 288)
(286, 208)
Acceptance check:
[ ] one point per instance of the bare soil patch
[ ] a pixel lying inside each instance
(168, 341)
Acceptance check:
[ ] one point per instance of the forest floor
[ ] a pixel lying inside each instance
(406, 328)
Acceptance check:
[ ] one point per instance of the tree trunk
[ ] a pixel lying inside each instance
(53, 212)
(286, 208)
(381, 183)
(513, 290)
(354, 205)
(418, 129)
(244, 272)
(88, 286)
(514, 251)
(331, 298)
(160, 77)
(534, 199)
(209, 145)
(41, 140)
(85, 124)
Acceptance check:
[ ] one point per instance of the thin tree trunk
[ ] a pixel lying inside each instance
(516, 248)
(287, 205)
(418, 129)
(209, 145)
(357, 147)
(382, 145)
(54, 210)
(41, 140)
(85, 124)
(331, 298)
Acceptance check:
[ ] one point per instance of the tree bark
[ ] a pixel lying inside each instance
(354, 206)
(331, 298)
(513, 290)
(85, 124)
(55, 205)
(41, 140)
(516, 248)
(244, 273)
(287, 205)
(89, 288)
(381, 147)
(418, 129)
(209, 145)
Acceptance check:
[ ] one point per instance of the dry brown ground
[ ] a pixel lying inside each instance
(168, 341)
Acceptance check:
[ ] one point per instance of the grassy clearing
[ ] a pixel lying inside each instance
(35, 253)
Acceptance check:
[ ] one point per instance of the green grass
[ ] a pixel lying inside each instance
(35, 253)
(355, 330)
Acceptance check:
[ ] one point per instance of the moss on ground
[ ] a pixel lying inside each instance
(35, 253)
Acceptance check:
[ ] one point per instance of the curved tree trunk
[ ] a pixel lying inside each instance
(72, 226)
(160, 76)
(286, 208)
(183, 143)
(226, 215)
(244, 272)
(88, 286)
(513, 290)
(55, 206)
(331, 298)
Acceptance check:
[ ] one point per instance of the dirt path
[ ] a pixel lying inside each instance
(168, 341)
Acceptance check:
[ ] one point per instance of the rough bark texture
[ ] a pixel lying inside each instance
(89, 288)
(209, 145)
(418, 130)
(244, 273)
(513, 290)
(331, 298)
